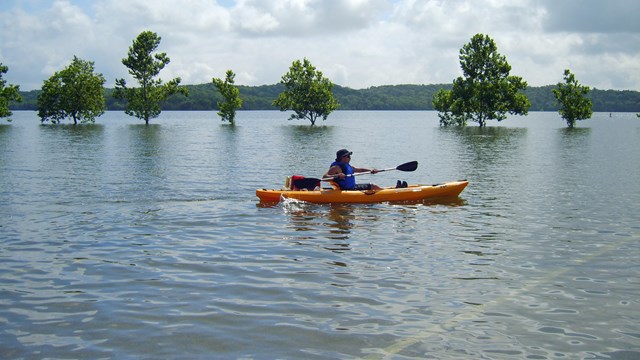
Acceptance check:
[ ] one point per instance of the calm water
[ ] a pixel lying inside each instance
(125, 241)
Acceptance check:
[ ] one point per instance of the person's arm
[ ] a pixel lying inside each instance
(333, 172)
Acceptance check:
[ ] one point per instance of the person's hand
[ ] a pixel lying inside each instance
(374, 171)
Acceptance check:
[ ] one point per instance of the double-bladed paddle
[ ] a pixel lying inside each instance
(312, 182)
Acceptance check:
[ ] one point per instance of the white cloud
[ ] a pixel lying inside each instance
(356, 43)
(593, 16)
(292, 18)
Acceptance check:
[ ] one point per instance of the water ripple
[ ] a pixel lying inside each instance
(148, 242)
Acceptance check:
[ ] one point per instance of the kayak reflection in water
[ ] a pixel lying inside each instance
(343, 172)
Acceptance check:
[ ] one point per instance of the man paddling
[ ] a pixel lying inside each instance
(342, 172)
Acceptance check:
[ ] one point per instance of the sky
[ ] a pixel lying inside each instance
(355, 43)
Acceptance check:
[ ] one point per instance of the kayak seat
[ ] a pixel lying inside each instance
(308, 185)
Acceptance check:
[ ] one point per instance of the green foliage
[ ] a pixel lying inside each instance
(614, 100)
(144, 102)
(572, 98)
(76, 92)
(307, 92)
(7, 93)
(231, 94)
(541, 98)
(486, 91)
(386, 97)
(449, 109)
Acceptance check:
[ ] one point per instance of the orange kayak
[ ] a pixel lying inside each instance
(391, 194)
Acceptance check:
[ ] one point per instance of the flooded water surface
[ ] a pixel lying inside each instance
(120, 240)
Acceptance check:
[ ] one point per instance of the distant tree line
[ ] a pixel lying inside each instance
(386, 97)
(485, 91)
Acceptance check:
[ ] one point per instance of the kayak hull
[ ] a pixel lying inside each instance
(325, 196)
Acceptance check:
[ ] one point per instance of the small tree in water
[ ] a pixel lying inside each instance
(572, 98)
(8, 93)
(75, 92)
(231, 94)
(307, 92)
(144, 102)
(486, 91)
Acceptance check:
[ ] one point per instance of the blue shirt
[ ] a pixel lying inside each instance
(349, 182)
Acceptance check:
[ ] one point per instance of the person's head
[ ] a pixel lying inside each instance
(343, 155)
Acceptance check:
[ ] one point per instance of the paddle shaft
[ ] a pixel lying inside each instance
(359, 173)
(410, 166)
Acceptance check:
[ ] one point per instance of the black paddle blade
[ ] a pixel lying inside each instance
(410, 166)
(306, 183)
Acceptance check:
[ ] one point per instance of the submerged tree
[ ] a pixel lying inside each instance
(572, 98)
(485, 91)
(231, 94)
(8, 93)
(76, 92)
(307, 92)
(144, 102)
